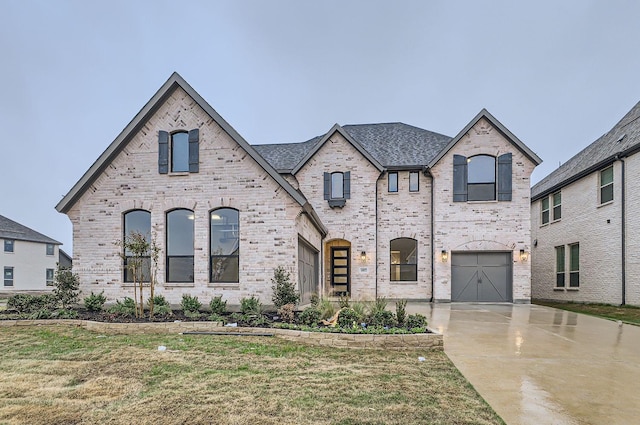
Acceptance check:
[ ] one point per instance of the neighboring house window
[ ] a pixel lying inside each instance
(8, 276)
(479, 179)
(560, 267)
(137, 221)
(414, 181)
(606, 185)
(557, 206)
(544, 208)
(8, 245)
(404, 259)
(225, 245)
(181, 153)
(574, 266)
(180, 237)
(337, 188)
(50, 249)
(49, 277)
(393, 182)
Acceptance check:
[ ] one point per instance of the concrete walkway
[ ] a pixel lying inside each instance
(538, 365)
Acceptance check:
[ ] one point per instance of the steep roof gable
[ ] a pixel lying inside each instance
(10, 229)
(496, 124)
(336, 129)
(621, 140)
(139, 120)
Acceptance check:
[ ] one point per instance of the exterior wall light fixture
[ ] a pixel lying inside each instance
(445, 255)
(524, 255)
(363, 256)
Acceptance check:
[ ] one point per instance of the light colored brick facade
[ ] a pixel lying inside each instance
(276, 211)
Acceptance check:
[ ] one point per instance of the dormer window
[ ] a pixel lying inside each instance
(179, 152)
(337, 188)
(477, 178)
(481, 183)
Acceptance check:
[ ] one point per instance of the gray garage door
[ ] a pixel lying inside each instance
(307, 271)
(481, 276)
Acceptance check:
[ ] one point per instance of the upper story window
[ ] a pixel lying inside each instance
(137, 223)
(9, 245)
(393, 182)
(225, 245)
(180, 238)
(482, 178)
(544, 210)
(606, 185)
(337, 188)
(557, 205)
(404, 259)
(181, 153)
(50, 249)
(414, 181)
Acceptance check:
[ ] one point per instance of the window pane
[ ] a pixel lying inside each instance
(557, 198)
(414, 181)
(180, 232)
(50, 249)
(404, 259)
(606, 193)
(393, 182)
(574, 262)
(545, 217)
(560, 258)
(574, 279)
(557, 212)
(606, 176)
(404, 272)
(180, 152)
(481, 192)
(180, 269)
(545, 204)
(481, 169)
(560, 280)
(8, 245)
(224, 231)
(225, 268)
(337, 186)
(143, 270)
(137, 221)
(8, 272)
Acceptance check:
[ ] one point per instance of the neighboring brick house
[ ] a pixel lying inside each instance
(366, 210)
(27, 258)
(585, 224)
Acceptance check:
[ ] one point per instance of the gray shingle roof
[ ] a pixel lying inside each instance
(623, 137)
(9, 229)
(391, 144)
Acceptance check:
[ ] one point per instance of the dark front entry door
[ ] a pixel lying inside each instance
(340, 271)
(481, 276)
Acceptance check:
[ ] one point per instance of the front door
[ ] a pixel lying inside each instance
(340, 271)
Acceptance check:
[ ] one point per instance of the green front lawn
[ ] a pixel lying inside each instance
(69, 375)
(627, 314)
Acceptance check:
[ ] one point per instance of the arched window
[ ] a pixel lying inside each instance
(180, 235)
(224, 264)
(180, 152)
(137, 222)
(481, 180)
(404, 259)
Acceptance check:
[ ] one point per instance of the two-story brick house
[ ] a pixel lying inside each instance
(366, 210)
(584, 223)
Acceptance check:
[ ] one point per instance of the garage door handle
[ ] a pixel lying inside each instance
(479, 280)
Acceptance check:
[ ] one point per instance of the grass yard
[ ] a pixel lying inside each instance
(63, 375)
(627, 314)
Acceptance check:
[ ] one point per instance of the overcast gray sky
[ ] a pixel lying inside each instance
(558, 74)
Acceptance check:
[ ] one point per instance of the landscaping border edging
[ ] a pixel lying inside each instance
(425, 341)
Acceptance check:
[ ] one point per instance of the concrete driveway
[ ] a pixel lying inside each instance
(538, 365)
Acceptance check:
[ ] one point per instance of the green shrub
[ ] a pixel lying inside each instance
(217, 305)
(66, 287)
(401, 311)
(416, 321)
(194, 315)
(159, 300)
(314, 299)
(310, 316)
(284, 290)
(25, 303)
(66, 314)
(379, 305)
(190, 304)
(360, 308)
(125, 308)
(41, 314)
(236, 317)
(382, 318)
(215, 318)
(95, 302)
(344, 301)
(162, 310)
(327, 309)
(251, 305)
(348, 318)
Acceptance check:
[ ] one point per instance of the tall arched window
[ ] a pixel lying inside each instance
(224, 265)
(180, 152)
(137, 222)
(180, 235)
(481, 180)
(404, 259)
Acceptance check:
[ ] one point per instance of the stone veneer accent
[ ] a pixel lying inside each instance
(428, 341)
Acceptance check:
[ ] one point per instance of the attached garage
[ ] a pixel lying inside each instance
(481, 276)
(307, 271)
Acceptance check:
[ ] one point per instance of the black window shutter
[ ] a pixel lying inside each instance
(194, 156)
(504, 177)
(163, 152)
(347, 185)
(459, 178)
(327, 186)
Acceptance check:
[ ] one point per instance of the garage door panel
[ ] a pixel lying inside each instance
(481, 277)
